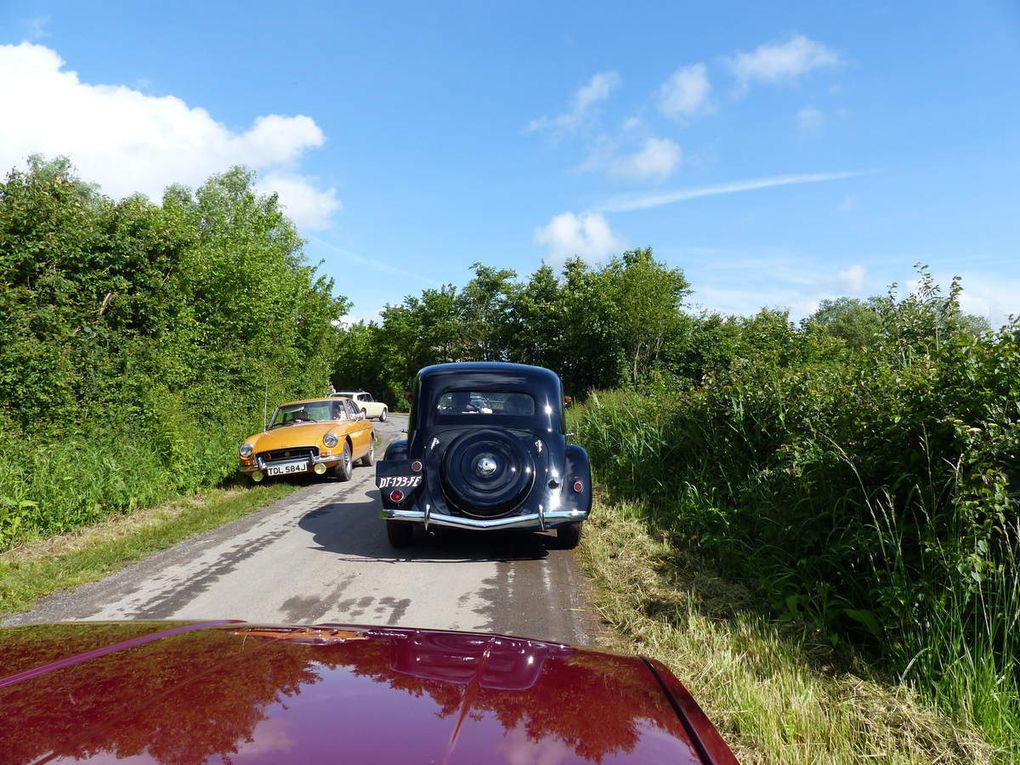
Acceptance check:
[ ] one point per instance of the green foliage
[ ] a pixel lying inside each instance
(869, 488)
(856, 323)
(610, 325)
(139, 340)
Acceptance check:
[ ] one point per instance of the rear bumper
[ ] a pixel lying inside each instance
(539, 521)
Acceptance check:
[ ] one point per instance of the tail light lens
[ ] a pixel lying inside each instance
(396, 495)
(416, 466)
(578, 486)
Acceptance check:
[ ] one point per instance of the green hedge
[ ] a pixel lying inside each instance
(140, 340)
(873, 493)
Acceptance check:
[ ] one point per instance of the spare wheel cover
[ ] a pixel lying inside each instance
(487, 472)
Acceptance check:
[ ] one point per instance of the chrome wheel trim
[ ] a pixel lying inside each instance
(486, 466)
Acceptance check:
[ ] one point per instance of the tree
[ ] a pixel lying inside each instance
(854, 322)
(484, 307)
(649, 296)
(536, 333)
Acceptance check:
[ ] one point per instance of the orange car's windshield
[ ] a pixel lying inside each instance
(309, 411)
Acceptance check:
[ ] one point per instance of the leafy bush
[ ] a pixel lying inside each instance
(871, 489)
(140, 340)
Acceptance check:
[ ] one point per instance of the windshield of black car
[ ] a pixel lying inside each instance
(458, 402)
(310, 411)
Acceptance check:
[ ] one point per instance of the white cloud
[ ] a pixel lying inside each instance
(130, 142)
(363, 316)
(595, 91)
(587, 236)
(383, 266)
(853, 279)
(776, 63)
(646, 201)
(809, 118)
(38, 28)
(686, 92)
(656, 160)
(774, 279)
(310, 208)
(994, 299)
(598, 89)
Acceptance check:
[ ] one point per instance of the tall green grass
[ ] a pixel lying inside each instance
(52, 483)
(878, 506)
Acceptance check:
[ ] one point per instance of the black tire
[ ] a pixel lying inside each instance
(400, 533)
(369, 459)
(569, 536)
(382, 415)
(345, 469)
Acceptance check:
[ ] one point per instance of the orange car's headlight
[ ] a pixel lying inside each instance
(246, 449)
(330, 440)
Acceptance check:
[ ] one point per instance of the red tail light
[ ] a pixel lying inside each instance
(578, 486)
(416, 466)
(396, 495)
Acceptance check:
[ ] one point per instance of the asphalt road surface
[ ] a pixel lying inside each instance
(321, 555)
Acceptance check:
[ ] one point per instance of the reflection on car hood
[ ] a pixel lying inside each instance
(184, 694)
(307, 434)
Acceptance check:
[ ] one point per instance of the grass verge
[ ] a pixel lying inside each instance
(777, 694)
(41, 567)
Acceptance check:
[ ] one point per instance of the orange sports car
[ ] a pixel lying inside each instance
(319, 436)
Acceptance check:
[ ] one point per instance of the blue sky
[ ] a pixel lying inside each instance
(779, 156)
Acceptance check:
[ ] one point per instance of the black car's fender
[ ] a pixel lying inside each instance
(577, 468)
(397, 450)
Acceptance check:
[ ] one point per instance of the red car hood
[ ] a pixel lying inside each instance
(142, 692)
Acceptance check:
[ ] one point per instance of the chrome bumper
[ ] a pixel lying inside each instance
(261, 464)
(540, 520)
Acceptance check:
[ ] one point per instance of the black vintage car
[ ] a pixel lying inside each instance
(486, 449)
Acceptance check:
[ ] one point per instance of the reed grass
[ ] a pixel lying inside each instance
(909, 560)
(778, 692)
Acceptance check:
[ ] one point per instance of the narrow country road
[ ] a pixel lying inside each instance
(321, 555)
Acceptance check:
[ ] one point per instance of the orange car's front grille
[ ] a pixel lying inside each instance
(291, 453)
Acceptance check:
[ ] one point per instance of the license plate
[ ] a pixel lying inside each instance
(287, 469)
(399, 481)
(396, 474)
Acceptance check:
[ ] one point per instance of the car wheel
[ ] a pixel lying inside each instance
(345, 469)
(568, 536)
(400, 533)
(382, 415)
(369, 458)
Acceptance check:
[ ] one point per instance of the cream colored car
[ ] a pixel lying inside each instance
(373, 409)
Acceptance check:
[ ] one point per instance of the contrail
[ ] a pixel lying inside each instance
(646, 201)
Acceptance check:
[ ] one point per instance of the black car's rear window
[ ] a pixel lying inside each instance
(488, 402)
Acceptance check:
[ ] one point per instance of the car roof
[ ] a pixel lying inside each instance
(494, 368)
